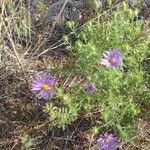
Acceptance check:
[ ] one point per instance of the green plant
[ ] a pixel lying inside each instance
(64, 113)
(118, 92)
(27, 143)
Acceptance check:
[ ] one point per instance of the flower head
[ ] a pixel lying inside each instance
(44, 85)
(107, 142)
(148, 124)
(112, 59)
(36, 16)
(89, 88)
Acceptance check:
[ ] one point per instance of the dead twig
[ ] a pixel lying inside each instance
(15, 52)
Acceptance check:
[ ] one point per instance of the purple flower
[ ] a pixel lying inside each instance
(36, 16)
(44, 85)
(148, 124)
(112, 59)
(89, 88)
(107, 142)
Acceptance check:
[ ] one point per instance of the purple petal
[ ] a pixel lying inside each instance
(51, 91)
(106, 55)
(105, 62)
(36, 86)
(89, 88)
(148, 124)
(107, 142)
(50, 82)
(44, 94)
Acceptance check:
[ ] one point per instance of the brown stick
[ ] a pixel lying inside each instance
(16, 53)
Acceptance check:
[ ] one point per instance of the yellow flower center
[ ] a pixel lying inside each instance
(45, 87)
(112, 60)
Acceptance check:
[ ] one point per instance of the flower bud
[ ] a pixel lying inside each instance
(65, 38)
(126, 46)
(66, 98)
(124, 5)
(136, 11)
(70, 24)
(130, 13)
(79, 44)
(95, 130)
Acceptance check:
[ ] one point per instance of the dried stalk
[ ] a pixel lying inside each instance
(16, 53)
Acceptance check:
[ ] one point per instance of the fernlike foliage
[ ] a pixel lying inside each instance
(118, 93)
